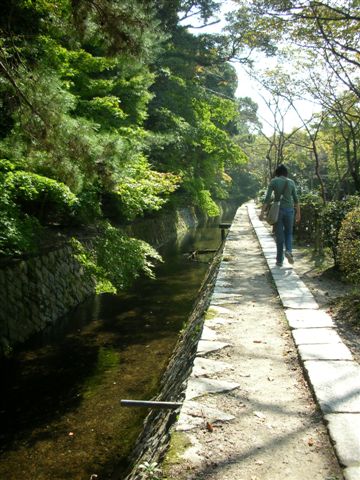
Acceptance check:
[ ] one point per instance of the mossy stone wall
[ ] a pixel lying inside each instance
(36, 292)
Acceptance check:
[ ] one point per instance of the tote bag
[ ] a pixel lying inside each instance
(273, 212)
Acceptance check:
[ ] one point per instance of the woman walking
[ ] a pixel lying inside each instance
(285, 190)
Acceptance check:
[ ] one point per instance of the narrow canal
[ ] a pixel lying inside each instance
(60, 414)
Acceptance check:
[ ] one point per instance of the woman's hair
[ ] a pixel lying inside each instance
(281, 171)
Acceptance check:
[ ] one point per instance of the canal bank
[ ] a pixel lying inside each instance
(61, 415)
(248, 412)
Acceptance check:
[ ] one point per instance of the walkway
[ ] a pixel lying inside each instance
(262, 423)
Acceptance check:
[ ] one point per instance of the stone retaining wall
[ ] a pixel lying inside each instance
(36, 292)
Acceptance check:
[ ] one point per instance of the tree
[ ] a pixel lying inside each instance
(315, 26)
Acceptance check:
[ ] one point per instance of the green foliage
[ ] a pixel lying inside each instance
(39, 196)
(115, 260)
(245, 184)
(207, 204)
(348, 249)
(201, 197)
(310, 228)
(88, 207)
(142, 191)
(332, 217)
(149, 471)
(18, 232)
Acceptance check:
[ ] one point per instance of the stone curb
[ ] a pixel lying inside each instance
(331, 371)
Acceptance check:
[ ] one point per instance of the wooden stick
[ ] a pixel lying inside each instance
(150, 404)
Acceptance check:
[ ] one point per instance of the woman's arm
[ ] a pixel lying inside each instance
(266, 201)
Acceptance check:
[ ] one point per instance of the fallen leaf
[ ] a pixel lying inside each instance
(209, 427)
(311, 442)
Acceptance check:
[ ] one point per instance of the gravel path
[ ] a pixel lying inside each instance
(274, 430)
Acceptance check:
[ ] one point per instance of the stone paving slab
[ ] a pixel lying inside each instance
(282, 272)
(218, 322)
(202, 386)
(306, 336)
(299, 299)
(352, 473)
(208, 333)
(333, 351)
(336, 385)
(207, 346)
(221, 291)
(229, 300)
(223, 284)
(218, 310)
(308, 318)
(344, 429)
(194, 414)
(206, 366)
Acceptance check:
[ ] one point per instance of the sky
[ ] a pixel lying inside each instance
(248, 87)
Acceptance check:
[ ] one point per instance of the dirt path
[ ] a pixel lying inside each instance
(277, 432)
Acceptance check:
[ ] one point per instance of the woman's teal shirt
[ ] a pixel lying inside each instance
(277, 185)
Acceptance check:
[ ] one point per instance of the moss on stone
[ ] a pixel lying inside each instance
(178, 444)
(210, 314)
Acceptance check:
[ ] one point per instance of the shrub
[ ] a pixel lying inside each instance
(207, 204)
(40, 196)
(17, 232)
(309, 228)
(331, 218)
(88, 208)
(349, 246)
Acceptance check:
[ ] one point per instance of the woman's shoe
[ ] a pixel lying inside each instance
(289, 257)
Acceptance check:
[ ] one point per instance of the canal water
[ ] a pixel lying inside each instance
(60, 414)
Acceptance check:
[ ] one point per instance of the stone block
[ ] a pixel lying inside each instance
(308, 318)
(333, 351)
(344, 429)
(208, 334)
(218, 322)
(306, 336)
(194, 414)
(298, 298)
(352, 473)
(203, 386)
(207, 366)
(207, 346)
(336, 385)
